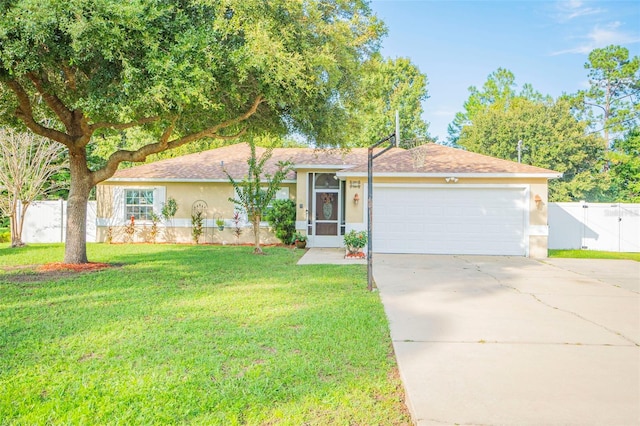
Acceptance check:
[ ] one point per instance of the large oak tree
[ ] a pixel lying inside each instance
(180, 70)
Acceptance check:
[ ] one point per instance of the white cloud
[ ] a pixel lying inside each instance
(568, 10)
(601, 36)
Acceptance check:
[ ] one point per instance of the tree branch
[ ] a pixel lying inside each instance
(164, 144)
(25, 113)
(596, 105)
(57, 106)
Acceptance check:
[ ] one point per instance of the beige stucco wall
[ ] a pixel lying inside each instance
(215, 194)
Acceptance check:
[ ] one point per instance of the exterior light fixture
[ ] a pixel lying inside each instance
(356, 199)
(538, 201)
(451, 179)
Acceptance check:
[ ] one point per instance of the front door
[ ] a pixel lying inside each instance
(326, 218)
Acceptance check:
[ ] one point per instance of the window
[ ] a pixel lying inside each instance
(139, 204)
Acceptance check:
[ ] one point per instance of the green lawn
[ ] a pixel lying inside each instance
(593, 254)
(193, 334)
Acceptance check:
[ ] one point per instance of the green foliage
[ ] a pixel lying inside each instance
(282, 218)
(194, 335)
(169, 209)
(610, 103)
(355, 241)
(551, 137)
(299, 237)
(256, 191)
(175, 72)
(624, 167)
(197, 226)
(5, 235)
(387, 86)
(499, 88)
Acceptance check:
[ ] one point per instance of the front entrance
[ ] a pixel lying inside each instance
(326, 216)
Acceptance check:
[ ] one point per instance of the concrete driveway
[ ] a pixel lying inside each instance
(516, 341)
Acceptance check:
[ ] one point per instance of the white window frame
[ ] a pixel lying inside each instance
(119, 216)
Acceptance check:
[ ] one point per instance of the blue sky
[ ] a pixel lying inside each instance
(457, 44)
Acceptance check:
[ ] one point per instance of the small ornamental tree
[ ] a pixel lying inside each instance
(27, 165)
(256, 191)
(169, 210)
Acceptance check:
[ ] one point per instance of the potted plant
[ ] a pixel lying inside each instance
(355, 242)
(300, 240)
(220, 224)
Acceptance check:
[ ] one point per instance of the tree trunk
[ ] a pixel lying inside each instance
(75, 250)
(256, 235)
(16, 236)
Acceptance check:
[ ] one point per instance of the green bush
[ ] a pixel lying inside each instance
(5, 236)
(282, 218)
(355, 240)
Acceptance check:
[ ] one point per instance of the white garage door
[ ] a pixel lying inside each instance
(449, 220)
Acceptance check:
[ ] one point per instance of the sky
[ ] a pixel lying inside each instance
(457, 44)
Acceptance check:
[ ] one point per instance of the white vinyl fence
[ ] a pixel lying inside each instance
(46, 222)
(594, 226)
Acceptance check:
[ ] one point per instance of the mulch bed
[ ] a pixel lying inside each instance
(359, 255)
(51, 271)
(83, 267)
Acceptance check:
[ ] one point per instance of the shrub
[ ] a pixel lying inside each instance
(355, 241)
(197, 222)
(5, 237)
(282, 218)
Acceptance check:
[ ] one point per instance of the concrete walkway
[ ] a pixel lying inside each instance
(328, 256)
(515, 341)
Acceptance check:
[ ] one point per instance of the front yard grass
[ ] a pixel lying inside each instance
(193, 334)
(594, 254)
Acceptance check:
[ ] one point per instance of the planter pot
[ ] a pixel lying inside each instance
(220, 227)
(301, 244)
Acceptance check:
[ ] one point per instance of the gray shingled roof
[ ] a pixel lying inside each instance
(427, 159)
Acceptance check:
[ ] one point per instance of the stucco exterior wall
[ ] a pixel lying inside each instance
(216, 195)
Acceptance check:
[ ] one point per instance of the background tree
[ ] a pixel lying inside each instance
(256, 191)
(551, 137)
(27, 165)
(178, 70)
(624, 167)
(387, 86)
(611, 102)
(500, 86)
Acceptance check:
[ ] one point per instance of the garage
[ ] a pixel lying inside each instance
(450, 220)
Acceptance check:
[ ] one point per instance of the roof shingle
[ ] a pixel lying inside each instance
(426, 159)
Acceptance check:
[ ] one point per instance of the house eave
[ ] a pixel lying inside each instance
(347, 174)
(322, 166)
(179, 180)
